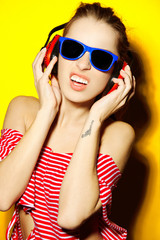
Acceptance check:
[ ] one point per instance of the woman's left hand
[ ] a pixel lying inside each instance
(112, 102)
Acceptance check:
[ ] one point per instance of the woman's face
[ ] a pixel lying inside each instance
(96, 34)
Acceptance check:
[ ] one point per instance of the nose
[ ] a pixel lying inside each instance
(83, 63)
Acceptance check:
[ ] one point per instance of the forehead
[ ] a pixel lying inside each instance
(94, 33)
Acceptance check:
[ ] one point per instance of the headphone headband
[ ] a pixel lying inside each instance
(52, 31)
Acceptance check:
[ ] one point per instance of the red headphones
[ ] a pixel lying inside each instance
(52, 47)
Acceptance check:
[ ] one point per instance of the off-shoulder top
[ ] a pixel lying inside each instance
(41, 197)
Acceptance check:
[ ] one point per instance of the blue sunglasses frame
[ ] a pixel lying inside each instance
(87, 49)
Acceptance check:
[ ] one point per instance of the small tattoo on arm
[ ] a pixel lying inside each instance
(88, 132)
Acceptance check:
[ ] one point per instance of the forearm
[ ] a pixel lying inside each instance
(80, 189)
(16, 169)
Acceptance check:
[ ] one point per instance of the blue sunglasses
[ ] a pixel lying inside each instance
(100, 59)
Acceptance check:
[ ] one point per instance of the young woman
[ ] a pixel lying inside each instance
(62, 153)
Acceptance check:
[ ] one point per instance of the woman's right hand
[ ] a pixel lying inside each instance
(49, 94)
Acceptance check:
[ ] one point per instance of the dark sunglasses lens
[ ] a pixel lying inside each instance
(101, 59)
(71, 49)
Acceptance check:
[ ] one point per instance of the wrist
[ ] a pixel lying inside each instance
(46, 114)
(99, 116)
(95, 121)
(94, 117)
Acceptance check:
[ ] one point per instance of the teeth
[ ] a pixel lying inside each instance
(79, 80)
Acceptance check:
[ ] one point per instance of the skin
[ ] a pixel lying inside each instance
(82, 123)
(83, 66)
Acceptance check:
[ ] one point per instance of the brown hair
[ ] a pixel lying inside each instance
(107, 15)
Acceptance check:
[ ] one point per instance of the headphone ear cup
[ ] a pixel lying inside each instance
(52, 50)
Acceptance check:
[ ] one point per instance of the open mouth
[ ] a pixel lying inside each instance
(78, 80)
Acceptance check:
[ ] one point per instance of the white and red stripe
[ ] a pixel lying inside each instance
(41, 196)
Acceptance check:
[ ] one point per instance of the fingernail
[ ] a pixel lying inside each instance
(54, 57)
(128, 67)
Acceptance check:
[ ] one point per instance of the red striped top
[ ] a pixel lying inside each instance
(41, 196)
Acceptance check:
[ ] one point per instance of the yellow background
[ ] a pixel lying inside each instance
(24, 26)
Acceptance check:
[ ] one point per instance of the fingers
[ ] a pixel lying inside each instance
(133, 88)
(39, 58)
(37, 66)
(127, 84)
(126, 88)
(130, 83)
(50, 66)
(127, 78)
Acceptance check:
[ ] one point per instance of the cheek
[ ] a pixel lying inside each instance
(63, 67)
(106, 77)
(62, 71)
(102, 80)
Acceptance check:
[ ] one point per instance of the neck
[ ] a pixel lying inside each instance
(73, 113)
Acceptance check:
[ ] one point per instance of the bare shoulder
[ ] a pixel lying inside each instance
(117, 140)
(21, 112)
